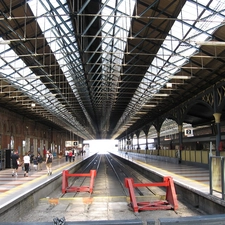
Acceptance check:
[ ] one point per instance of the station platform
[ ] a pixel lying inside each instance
(190, 176)
(13, 188)
(193, 177)
(192, 183)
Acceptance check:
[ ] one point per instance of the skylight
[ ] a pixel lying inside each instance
(116, 20)
(196, 21)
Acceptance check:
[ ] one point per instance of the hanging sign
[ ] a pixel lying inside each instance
(71, 143)
(188, 132)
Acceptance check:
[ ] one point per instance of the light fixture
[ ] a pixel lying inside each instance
(210, 43)
(33, 105)
(5, 42)
(27, 78)
(167, 139)
(135, 117)
(149, 106)
(141, 112)
(161, 95)
(179, 77)
(169, 85)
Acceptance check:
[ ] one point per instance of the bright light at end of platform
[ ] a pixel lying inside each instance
(102, 146)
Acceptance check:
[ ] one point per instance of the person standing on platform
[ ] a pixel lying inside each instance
(70, 155)
(60, 154)
(44, 153)
(66, 154)
(35, 163)
(26, 161)
(40, 161)
(15, 162)
(31, 155)
(73, 154)
(49, 159)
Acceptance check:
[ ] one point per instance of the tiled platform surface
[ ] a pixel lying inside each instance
(191, 176)
(12, 187)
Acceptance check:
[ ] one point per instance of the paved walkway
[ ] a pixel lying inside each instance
(12, 187)
(190, 176)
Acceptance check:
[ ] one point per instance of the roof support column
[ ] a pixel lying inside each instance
(146, 129)
(180, 128)
(119, 145)
(218, 133)
(128, 143)
(146, 143)
(158, 141)
(217, 116)
(138, 145)
(124, 144)
(132, 141)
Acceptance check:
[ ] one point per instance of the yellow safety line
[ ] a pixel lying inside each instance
(172, 174)
(74, 198)
(9, 192)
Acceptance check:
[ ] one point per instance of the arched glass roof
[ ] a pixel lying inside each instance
(98, 68)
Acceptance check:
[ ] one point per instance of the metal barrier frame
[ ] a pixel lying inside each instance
(65, 183)
(171, 197)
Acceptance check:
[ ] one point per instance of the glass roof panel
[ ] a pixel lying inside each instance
(189, 14)
(116, 24)
(32, 86)
(194, 21)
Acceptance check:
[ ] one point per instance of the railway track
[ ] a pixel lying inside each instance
(115, 172)
(109, 200)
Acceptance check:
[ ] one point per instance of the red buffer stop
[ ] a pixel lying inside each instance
(171, 197)
(67, 188)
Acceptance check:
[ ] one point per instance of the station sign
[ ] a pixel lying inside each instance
(128, 142)
(188, 132)
(71, 143)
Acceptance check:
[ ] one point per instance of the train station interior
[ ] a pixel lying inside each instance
(149, 75)
(113, 69)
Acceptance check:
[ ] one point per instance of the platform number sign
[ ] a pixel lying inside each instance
(75, 143)
(188, 132)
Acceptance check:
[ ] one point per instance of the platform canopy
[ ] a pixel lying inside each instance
(102, 69)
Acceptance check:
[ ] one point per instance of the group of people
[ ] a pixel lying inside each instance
(29, 159)
(70, 155)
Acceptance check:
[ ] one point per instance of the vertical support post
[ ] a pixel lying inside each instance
(129, 184)
(92, 174)
(171, 196)
(146, 143)
(210, 175)
(217, 116)
(158, 142)
(222, 177)
(218, 133)
(64, 181)
(180, 127)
